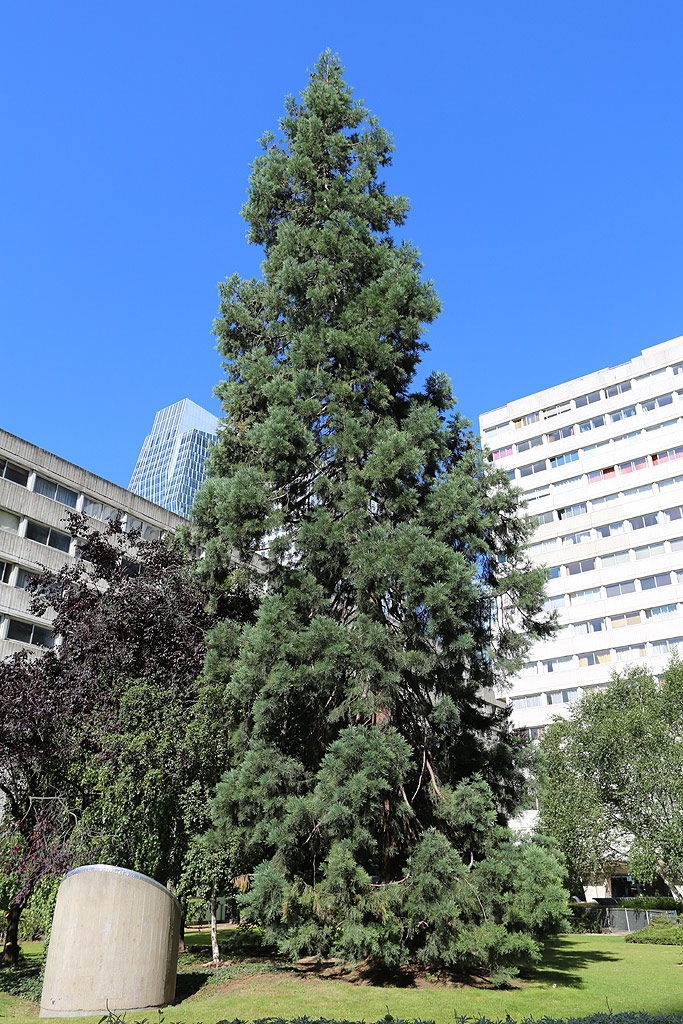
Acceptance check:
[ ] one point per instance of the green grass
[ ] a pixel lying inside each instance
(587, 970)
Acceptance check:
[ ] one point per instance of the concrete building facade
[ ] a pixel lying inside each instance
(600, 462)
(170, 467)
(37, 491)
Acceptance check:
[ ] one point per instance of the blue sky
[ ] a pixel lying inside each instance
(540, 145)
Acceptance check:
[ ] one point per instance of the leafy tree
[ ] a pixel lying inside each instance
(362, 744)
(612, 779)
(105, 737)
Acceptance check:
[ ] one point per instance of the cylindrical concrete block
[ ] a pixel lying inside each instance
(113, 945)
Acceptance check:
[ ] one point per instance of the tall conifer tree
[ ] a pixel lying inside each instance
(362, 745)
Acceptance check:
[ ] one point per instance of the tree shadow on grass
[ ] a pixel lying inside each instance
(188, 983)
(561, 963)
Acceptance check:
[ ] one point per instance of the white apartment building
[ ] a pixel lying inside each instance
(37, 491)
(600, 462)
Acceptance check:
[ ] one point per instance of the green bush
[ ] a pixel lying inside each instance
(661, 933)
(586, 918)
(651, 903)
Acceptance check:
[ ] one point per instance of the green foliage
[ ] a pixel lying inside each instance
(659, 933)
(36, 919)
(652, 903)
(369, 779)
(612, 778)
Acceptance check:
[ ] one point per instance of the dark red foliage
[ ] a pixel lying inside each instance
(128, 609)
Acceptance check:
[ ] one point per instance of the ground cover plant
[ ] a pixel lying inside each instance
(664, 933)
(588, 972)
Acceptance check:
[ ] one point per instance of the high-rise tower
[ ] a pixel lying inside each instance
(170, 467)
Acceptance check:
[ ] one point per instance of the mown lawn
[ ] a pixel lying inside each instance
(580, 974)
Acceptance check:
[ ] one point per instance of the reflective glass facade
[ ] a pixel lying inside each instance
(170, 467)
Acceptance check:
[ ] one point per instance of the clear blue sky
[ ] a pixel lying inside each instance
(540, 145)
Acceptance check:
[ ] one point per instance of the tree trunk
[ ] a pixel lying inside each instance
(10, 954)
(215, 951)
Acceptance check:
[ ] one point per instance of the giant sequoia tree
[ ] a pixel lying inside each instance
(370, 777)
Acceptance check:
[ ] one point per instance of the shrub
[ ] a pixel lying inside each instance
(661, 933)
(651, 903)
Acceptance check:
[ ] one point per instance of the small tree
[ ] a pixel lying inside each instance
(612, 778)
(99, 734)
(361, 740)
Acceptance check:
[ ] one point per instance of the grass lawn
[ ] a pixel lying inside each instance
(587, 970)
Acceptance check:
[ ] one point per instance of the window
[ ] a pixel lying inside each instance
(532, 417)
(48, 535)
(152, 532)
(23, 576)
(590, 626)
(676, 543)
(618, 389)
(601, 474)
(661, 579)
(8, 521)
(537, 492)
(559, 601)
(29, 633)
(661, 426)
(610, 529)
(672, 481)
(664, 611)
(597, 421)
(652, 373)
(670, 455)
(571, 481)
(627, 437)
(501, 453)
(98, 510)
(657, 403)
(585, 565)
(650, 551)
(633, 465)
(543, 517)
(588, 399)
(534, 467)
(529, 669)
(10, 471)
(563, 696)
(594, 658)
(606, 500)
(630, 652)
(500, 428)
(560, 433)
(667, 646)
(533, 442)
(616, 558)
(545, 545)
(572, 510)
(627, 619)
(623, 414)
(556, 664)
(5, 571)
(533, 701)
(594, 447)
(640, 522)
(55, 491)
(634, 492)
(564, 460)
(576, 538)
(557, 410)
(553, 572)
(585, 596)
(625, 587)
(672, 513)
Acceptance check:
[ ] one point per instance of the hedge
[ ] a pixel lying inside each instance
(660, 933)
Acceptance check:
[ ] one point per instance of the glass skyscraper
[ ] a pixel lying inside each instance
(170, 467)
